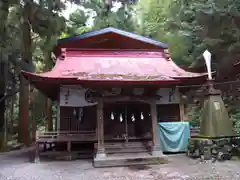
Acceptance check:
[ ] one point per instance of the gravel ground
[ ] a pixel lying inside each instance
(16, 166)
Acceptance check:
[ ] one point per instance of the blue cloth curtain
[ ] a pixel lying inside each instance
(174, 136)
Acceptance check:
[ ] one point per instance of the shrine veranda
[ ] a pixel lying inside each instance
(112, 120)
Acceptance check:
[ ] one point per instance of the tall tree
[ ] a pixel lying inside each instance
(152, 17)
(39, 18)
(77, 23)
(24, 86)
(212, 24)
(4, 10)
(101, 17)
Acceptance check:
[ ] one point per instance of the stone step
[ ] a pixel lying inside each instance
(129, 160)
(63, 155)
(127, 150)
(126, 147)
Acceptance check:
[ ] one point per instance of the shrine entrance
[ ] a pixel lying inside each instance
(127, 121)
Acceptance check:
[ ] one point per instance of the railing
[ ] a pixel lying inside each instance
(53, 136)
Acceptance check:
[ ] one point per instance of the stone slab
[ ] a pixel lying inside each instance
(129, 159)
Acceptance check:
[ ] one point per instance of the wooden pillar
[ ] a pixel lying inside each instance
(49, 115)
(100, 131)
(69, 146)
(34, 129)
(58, 117)
(181, 106)
(36, 150)
(181, 109)
(56, 121)
(156, 150)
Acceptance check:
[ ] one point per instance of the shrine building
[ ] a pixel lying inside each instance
(112, 89)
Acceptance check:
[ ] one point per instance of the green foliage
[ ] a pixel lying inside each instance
(121, 19)
(212, 24)
(234, 113)
(100, 18)
(152, 17)
(194, 115)
(45, 24)
(76, 24)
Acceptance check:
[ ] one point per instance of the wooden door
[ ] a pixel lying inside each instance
(130, 119)
(139, 120)
(114, 120)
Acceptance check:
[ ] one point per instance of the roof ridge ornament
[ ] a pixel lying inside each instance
(167, 54)
(63, 53)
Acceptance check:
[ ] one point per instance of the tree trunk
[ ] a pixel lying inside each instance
(2, 107)
(24, 85)
(4, 10)
(33, 119)
(49, 102)
(12, 101)
(23, 125)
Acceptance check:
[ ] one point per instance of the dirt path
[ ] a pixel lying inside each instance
(16, 166)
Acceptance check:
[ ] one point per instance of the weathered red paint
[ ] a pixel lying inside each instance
(114, 65)
(124, 59)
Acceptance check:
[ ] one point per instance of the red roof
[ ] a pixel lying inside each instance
(111, 65)
(124, 58)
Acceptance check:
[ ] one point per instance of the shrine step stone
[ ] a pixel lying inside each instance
(129, 159)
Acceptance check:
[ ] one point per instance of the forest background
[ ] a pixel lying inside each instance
(29, 30)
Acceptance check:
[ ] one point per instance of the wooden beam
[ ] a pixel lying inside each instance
(128, 98)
